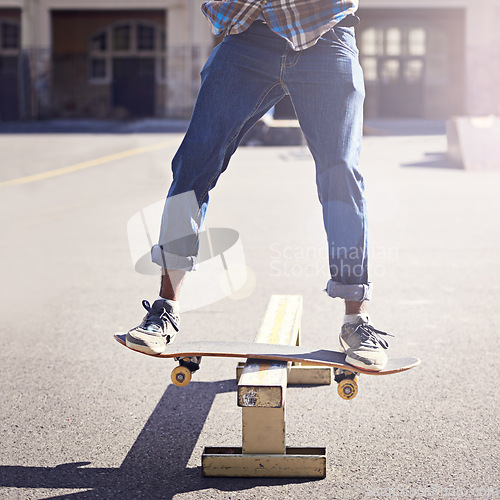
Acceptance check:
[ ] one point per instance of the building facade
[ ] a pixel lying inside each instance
(100, 58)
(430, 58)
(121, 59)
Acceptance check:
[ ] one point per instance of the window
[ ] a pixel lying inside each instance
(417, 42)
(371, 42)
(414, 70)
(393, 42)
(9, 37)
(370, 68)
(121, 38)
(390, 71)
(99, 43)
(394, 53)
(145, 38)
(98, 68)
(126, 39)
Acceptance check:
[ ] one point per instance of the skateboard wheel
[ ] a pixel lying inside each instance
(181, 376)
(347, 389)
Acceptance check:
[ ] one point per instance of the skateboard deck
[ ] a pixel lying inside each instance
(274, 352)
(189, 355)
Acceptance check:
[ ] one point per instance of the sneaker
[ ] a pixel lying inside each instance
(363, 345)
(158, 328)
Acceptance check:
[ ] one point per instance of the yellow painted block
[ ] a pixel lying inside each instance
(301, 374)
(296, 462)
(263, 430)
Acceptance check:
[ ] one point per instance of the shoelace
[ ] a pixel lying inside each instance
(371, 336)
(157, 314)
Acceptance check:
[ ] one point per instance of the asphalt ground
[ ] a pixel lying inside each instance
(82, 417)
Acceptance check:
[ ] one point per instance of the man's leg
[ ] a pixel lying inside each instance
(355, 307)
(171, 283)
(240, 83)
(327, 90)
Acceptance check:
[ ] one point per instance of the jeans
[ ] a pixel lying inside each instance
(243, 78)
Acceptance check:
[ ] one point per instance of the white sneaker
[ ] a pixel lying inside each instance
(158, 328)
(363, 345)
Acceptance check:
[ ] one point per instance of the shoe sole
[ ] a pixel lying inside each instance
(358, 363)
(138, 344)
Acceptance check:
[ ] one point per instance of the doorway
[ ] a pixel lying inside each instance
(10, 38)
(133, 85)
(9, 98)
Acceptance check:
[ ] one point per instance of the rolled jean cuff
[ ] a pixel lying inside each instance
(172, 261)
(355, 293)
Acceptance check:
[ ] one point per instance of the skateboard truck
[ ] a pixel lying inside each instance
(347, 383)
(181, 375)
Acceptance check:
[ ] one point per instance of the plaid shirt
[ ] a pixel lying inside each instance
(301, 22)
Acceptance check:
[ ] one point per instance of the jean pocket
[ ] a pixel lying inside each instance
(346, 36)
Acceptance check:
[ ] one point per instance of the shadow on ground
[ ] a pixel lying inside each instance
(156, 465)
(435, 160)
(146, 126)
(404, 127)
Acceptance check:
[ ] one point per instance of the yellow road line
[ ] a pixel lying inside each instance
(87, 164)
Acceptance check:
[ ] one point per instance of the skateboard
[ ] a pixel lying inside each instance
(189, 354)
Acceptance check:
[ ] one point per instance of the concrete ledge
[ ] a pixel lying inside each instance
(232, 462)
(261, 395)
(474, 142)
(301, 374)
